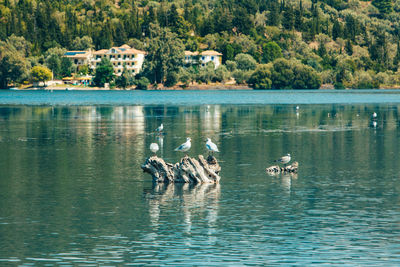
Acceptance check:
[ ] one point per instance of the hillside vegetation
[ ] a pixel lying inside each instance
(267, 44)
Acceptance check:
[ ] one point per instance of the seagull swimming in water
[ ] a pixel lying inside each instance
(211, 146)
(154, 147)
(185, 146)
(160, 128)
(285, 159)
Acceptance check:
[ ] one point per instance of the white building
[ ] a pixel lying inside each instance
(211, 55)
(118, 56)
(203, 58)
(79, 58)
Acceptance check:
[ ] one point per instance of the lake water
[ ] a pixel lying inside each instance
(72, 192)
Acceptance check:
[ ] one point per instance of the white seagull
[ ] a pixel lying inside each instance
(185, 146)
(284, 159)
(374, 115)
(211, 146)
(154, 147)
(160, 128)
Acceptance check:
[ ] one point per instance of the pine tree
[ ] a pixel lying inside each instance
(336, 30)
(274, 16)
(396, 59)
(298, 20)
(384, 6)
(288, 18)
(348, 47)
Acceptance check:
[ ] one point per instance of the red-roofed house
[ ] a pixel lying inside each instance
(119, 56)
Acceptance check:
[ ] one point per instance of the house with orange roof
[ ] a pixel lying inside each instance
(120, 56)
(79, 58)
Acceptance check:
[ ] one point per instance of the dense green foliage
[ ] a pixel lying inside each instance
(104, 72)
(40, 74)
(339, 40)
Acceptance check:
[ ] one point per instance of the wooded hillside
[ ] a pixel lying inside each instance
(346, 43)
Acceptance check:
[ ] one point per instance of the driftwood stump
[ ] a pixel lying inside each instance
(188, 170)
(287, 169)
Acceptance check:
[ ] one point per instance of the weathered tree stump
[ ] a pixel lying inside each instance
(188, 170)
(287, 169)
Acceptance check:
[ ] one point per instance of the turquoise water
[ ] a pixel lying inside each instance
(72, 191)
(8, 97)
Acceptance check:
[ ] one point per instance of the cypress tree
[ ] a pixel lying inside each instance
(384, 6)
(299, 17)
(288, 19)
(336, 30)
(348, 47)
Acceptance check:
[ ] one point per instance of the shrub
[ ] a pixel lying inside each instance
(245, 62)
(260, 79)
(142, 83)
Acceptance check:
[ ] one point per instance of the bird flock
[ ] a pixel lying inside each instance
(185, 147)
(212, 147)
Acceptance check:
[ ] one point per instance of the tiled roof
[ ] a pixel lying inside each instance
(77, 54)
(189, 53)
(124, 49)
(210, 53)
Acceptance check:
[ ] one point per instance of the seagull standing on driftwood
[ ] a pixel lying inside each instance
(160, 128)
(285, 159)
(185, 146)
(211, 146)
(154, 148)
(374, 115)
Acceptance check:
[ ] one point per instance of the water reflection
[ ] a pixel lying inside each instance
(199, 200)
(71, 189)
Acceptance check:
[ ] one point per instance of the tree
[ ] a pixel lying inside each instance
(288, 18)
(66, 67)
(271, 51)
(291, 74)
(84, 43)
(165, 54)
(245, 62)
(221, 74)
(260, 79)
(53, 60)
(40, 74)
(336, 30)
(348, 47)
(104, 73)
(384, 6)
(125, 79)
(13, 63)
(274, 16)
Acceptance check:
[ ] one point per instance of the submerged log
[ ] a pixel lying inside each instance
(287, 169)
(188, 170)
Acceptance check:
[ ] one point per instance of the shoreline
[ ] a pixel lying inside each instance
(201, 87)
(160, 88)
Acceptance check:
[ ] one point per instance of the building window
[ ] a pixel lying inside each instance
(203, 57)
(212, 58)
(98, 57)
(124, 56)
(119, 63)
(76, 61)
(119, 56)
